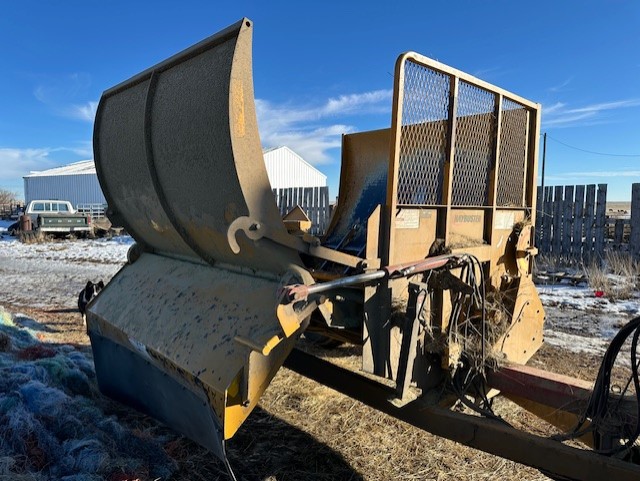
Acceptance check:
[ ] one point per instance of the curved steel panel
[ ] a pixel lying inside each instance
(179, 158)
(363, 186)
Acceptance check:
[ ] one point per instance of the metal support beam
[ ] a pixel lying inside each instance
(551, 457)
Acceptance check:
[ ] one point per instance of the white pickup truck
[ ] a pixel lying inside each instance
(55, 217)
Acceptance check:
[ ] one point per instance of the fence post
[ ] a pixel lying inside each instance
(578, 222)
(324, 209)
(589, 220)
(634, 240)
(548, 215)
(567, 225)
(557, 220)
(618, 234)
(601, 219)
(539, 216)
(308, 199)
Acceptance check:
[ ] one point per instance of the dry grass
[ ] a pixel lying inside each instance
(555, 263)
(32, 237)
(315, 433)
(597, 277)
(623, 264)
(617, 277)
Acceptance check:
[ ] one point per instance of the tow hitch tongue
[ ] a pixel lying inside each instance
(188, 330)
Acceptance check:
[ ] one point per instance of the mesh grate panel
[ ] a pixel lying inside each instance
(513, 154)
(425, 113)
(474, 146)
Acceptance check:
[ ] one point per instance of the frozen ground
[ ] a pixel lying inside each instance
(580, 321)
(52, 274)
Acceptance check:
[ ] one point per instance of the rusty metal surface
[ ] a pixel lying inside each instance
(179, 159)
(554, 390)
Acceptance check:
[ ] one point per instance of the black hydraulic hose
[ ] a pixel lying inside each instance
(598, 405)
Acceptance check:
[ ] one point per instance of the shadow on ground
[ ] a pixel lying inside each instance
(265, 448)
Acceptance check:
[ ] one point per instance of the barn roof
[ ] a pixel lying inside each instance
(295, 155)
(81, 167)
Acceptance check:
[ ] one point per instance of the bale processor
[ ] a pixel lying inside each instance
(426, 263)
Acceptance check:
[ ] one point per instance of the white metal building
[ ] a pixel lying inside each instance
(77, 183)
(287, 169)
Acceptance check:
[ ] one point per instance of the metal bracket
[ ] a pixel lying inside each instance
(253, 229)
(410, 329)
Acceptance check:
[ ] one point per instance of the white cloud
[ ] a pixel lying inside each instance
(309, 129)
(86, 112)
(15, 163)
(84, 149)
(607, 106)
(357, 103)
(312, 145)
(557, 107)
(560, 115)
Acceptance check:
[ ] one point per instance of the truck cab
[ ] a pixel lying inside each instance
(38, 207)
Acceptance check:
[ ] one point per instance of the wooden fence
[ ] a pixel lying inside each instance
(313, 200)
(11, 211)
(573, 221)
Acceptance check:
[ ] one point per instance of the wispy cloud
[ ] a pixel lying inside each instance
(561, 115)
(561, 86)
(491, 74)
(61, 94)
(86, 112)
(598, 174)
(312, 130)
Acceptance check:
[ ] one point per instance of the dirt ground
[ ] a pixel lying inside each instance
(305, 431)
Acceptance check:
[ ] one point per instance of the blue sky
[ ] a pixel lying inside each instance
(325, 68)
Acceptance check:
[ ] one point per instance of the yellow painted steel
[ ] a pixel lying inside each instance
(192, 320)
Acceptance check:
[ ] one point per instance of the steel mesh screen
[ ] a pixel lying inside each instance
(474, 145)
(423, 135)
(513, 154)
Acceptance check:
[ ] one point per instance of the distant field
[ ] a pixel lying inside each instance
(619, 208)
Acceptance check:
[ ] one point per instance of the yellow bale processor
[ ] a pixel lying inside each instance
(426, 263)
